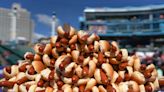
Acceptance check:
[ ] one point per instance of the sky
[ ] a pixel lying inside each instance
(67, 11)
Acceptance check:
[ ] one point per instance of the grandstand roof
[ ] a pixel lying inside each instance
(125, 9)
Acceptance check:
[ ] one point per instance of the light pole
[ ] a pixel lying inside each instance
(13, 24)
(53, 30)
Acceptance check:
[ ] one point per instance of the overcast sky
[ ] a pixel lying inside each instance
(68, 11)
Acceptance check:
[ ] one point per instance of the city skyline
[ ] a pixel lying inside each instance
(16, 24)
(67, 11)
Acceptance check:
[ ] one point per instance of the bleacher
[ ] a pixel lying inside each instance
(13, 53)
(10, 54)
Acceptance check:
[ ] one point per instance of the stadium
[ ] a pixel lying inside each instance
(135, 26)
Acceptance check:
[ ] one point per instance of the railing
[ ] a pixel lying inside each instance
(156, 25)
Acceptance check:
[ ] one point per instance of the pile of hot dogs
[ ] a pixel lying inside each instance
(74, 61)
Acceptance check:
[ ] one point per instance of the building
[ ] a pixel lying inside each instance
(128, 25)
(16, 24)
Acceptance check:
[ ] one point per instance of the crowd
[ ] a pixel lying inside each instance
(156, 57)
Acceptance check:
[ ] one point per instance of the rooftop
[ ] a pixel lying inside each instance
(125, 9)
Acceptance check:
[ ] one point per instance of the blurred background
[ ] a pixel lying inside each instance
(137, 25)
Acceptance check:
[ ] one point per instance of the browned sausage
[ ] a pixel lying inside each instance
(147, 74)
(122, 66)
(51, 75)
(60, 84)
(22, 80)
(31, 71)
(8, 84)
(64, 63)
(148, 88)
(23, 68)
(91, 47)
(104, 78)
(40, 83)
(85, 71)
(100, 58)
(87, 91)
(127, 77)
(60, 91)
(81, 88)
(30, 56)
(113, 48)
(72, 46)
(119, 79)
(52, 62)
(41, 48)
(119, 56)
(110, 89)
(143, 67)
(8, 69)
(46, 84)
(58, 45)
(68, 74)
(75, 78)
(64, 40)
(27, 87)
(80, 59)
